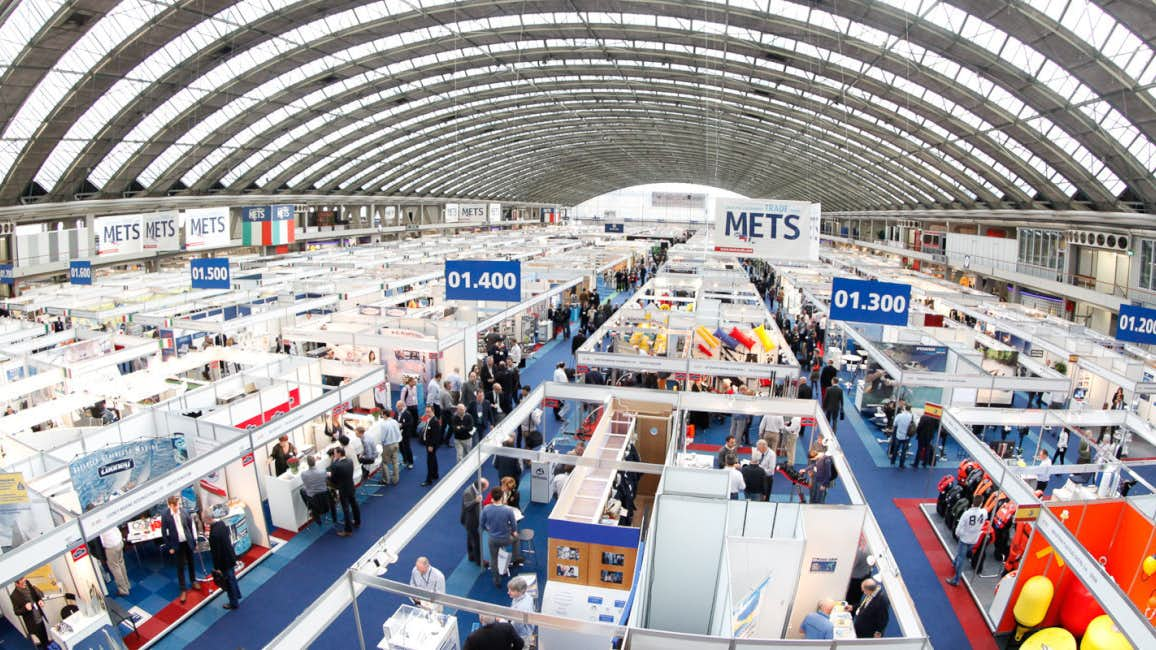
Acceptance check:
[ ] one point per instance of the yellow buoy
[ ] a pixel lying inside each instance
(1102, 634)
(1032, 605)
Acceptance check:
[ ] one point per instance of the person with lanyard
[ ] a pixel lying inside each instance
(482, 411)
(179, 538)
(28, 603)
(968, 531)
(425, 576)
(407, 421)
(870, 618)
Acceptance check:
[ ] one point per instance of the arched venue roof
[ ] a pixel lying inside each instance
(859, 104)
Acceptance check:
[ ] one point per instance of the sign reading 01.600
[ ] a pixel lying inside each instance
(868, 301)
(484, 280)
(1136, 324)
(80, 272)
(210, 273)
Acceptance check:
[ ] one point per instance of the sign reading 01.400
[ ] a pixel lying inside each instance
(209, 273)
(868, 301)
(484, 280)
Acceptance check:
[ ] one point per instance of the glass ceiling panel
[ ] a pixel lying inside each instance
(1081, 18)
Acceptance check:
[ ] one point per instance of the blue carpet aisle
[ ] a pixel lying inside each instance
(308, 564)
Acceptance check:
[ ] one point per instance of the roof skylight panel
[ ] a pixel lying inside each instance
(24, 21)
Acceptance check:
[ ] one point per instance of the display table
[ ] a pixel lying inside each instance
(286, 508)
(841, 620)
(700, 461)
(76, 629)
(414, 628)
(142, 530)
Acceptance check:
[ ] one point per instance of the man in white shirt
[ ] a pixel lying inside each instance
(764, 456)
(561, 377)
(968, 530)
(425, 576)
(901, 437)
(113, 543)
(1043, 471)
(737, 484)
(455, 381)
(515, 354)
(523, 602)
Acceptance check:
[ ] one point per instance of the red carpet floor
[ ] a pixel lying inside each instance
(970, 618)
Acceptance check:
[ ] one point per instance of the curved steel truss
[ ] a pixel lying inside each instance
(859, 104)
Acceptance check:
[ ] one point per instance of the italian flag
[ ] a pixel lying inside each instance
(268, 233)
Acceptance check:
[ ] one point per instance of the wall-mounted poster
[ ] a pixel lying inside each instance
(103, 475)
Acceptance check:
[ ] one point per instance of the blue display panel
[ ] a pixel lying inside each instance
(1136, 324)
(80, 272)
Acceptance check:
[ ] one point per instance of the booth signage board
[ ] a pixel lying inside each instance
(617, 228)
(206, 228)
(161, 232)
(80, 272)
(774, 230)
(7, 274)
(869, 301)
(824, 564)
(1136, 325)
(13, 490)
(495, 280)
(210, 273)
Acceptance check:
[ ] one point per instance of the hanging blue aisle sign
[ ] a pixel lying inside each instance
(484, 280)
(210, 273)
(869, 301)
(618, 228)
(80, 272)
(7, 274)
(1136, 324)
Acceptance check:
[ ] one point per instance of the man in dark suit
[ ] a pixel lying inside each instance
(833, 403)
(471, 511)
(341, 475)
(429, 431)
(872, 615)
(828, 373)
(594, 377)
(482, 411)
(179, 538)
(224, 561)
(408, 423)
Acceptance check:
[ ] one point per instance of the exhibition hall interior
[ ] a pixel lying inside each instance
(575, 325)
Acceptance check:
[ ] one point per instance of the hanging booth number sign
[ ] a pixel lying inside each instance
(210, 273)
(868, 301)
(484, 280)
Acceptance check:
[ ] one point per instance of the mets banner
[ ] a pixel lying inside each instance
(268, 225)
(767, 229)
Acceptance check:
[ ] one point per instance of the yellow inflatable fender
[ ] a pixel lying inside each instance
(1102, 634)
(764, 338)
(636, 338)
(706, 336)
(1032, 605)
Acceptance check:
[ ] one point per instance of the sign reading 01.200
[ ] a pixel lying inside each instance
(868, 301)
(484, 280)
(1136, 324)
(209, 273)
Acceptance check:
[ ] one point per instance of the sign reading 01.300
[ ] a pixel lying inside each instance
(1136, 324)
(868, 301)
(210, 273)
(484, 280)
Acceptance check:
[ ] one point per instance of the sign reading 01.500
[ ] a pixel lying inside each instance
(868, 301)
(209, 273)
(1136, 324)
(484, 280)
